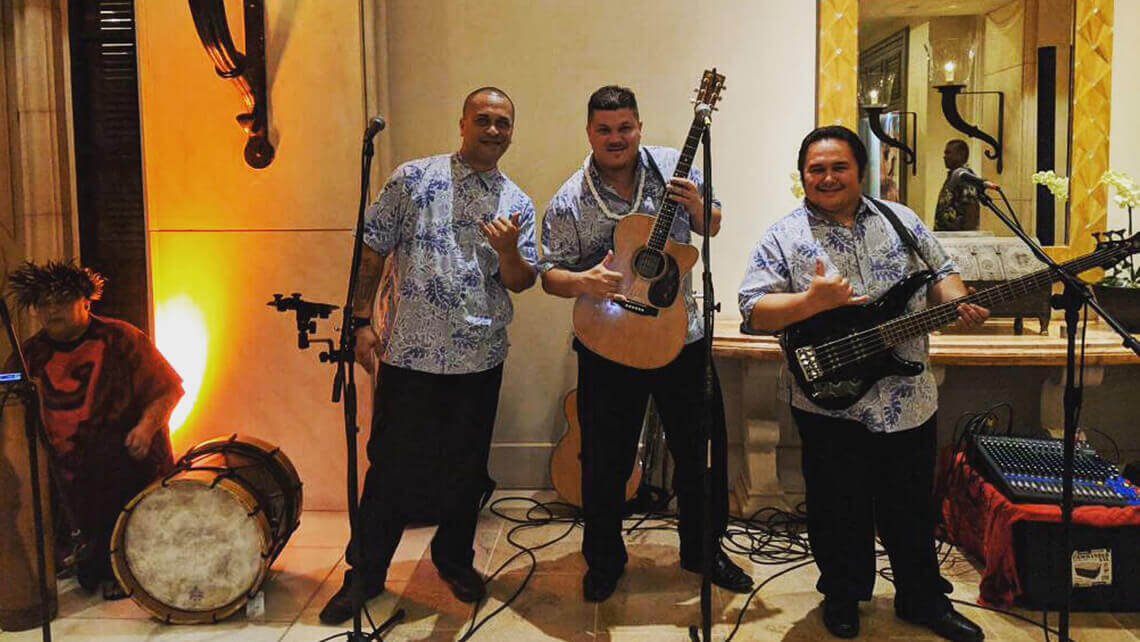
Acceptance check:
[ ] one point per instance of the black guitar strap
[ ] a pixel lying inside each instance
(904, 234)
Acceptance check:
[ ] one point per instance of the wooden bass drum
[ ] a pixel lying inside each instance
(194, 546)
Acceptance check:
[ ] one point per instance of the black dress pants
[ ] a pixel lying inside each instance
(611, 408)
(856, 480)
(431, 436)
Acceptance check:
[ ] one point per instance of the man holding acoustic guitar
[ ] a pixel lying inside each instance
(866, 414)
(637, 326)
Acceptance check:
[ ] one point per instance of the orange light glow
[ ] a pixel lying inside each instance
(180, 333)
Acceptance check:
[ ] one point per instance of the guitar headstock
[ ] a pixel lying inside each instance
(1113, 243)
(708, 93)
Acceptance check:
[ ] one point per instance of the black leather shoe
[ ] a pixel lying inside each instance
(841, 617)
(726, 574)
(465, 583)
(950, 625)
(597, 586)
(339, 608)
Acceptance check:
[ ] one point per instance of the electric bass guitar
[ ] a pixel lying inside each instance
(643, 324)
(837, 355)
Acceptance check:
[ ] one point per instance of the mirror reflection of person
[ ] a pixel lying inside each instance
(957, 208)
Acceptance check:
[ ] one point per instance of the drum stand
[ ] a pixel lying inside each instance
(26, 389)
(344, 383)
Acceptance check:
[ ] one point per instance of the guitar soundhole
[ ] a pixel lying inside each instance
(649, 264)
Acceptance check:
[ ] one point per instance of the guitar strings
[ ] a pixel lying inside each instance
(840, 353)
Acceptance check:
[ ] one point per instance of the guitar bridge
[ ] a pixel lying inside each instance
(805, 356)
(635, 307)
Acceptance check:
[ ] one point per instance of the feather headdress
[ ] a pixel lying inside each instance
(35, 285)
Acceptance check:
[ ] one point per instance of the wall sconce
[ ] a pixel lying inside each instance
(950, 66)
(246, 71)
(874, 94)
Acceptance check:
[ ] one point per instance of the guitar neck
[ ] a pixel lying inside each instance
(916, 324)
(664, 223)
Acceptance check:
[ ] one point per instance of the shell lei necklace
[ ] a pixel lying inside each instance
(601, 202)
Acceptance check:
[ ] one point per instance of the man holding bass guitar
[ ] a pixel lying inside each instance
(618, 178)
(870, 463)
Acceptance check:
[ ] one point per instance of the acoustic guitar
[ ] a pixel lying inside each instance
(566, 466)
(837, 355)
(643, 325)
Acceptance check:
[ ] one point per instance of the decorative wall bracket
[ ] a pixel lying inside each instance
(246, 71)
(950, 110)
(875, 122)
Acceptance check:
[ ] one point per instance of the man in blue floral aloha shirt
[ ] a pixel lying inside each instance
(443, 243)
(873, 463)
(618, 177)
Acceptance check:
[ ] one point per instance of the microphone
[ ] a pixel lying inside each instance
(965, 175)
(704, 112)
(374, 127)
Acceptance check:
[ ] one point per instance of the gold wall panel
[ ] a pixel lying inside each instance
(836, 102)
(1092, 91)
(838, 56)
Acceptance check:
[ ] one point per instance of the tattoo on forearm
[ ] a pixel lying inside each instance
(367, 281)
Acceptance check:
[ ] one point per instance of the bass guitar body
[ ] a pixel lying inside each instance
(644, 324)
(565, 461)
(805, 347)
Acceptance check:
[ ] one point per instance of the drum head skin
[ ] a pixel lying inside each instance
(193, 547)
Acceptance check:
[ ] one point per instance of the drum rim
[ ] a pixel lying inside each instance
(266, 450)
(172, 614)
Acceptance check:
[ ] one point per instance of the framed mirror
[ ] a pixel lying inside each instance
(1030, 80)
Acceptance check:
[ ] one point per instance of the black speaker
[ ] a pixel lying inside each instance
(1106, 566)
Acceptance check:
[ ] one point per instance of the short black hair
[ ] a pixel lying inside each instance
(612, 98)
(834, 132)
(960, 145)
(486, 90)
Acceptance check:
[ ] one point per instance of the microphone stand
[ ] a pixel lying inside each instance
(26, 389)
(344, 383)
(709, 310)
(1076, 295)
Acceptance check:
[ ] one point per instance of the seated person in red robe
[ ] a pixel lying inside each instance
(106, 395)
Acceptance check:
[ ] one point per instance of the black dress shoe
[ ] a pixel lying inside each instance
(950, 625)
(597, 586)
(465, 583)
(339, 608)
(841, 617)
(726, 574)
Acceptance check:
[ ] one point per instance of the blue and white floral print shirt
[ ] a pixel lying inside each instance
(873, 258)
(576, 233)
(443, 306)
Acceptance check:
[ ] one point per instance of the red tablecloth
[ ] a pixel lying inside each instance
(979, 520)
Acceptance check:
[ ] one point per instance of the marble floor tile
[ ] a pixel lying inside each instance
(100, 630)
(560, 552)
(655, 599)
(308, 626)
(429, 603)
(550, 608)
(380, 607)
(76, 602)
(294, 578)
